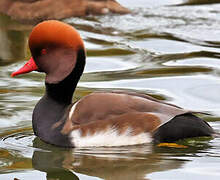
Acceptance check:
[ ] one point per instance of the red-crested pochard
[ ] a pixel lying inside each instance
(102, 118)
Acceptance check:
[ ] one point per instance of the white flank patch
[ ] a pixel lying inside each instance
(72, 110)
(109, 138)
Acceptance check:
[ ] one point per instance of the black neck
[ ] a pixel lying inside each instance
(62, 92)
(53, 107)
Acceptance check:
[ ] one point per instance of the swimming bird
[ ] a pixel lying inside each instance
(114, 118)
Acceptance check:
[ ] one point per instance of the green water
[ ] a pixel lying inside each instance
(169, 49)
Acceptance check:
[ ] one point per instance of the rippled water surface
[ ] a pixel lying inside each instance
(169, 49)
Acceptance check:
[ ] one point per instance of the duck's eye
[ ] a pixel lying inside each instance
(43, 51)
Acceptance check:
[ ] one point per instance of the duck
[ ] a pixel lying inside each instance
(99, 119)
(35, 11)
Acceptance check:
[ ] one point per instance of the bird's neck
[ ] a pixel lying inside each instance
(62, 92)
(51, 111)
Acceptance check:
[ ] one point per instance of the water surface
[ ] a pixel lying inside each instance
(169, 49)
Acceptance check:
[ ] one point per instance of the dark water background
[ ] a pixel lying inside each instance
(169, 49)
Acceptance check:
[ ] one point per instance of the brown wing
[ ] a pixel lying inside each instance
(143, 96)
(156, 100)
(102, 106)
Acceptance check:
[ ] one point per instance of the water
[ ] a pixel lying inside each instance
(168, 49)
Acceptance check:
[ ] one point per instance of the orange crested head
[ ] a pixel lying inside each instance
(55, 33)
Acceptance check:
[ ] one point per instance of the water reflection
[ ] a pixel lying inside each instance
(196, 2)
(166, 48)
(13, 37)
(131, 162)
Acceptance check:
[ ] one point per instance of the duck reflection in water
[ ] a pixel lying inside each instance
(52, 162)
(133, 162)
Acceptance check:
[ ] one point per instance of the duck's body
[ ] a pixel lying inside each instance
(99, 119)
